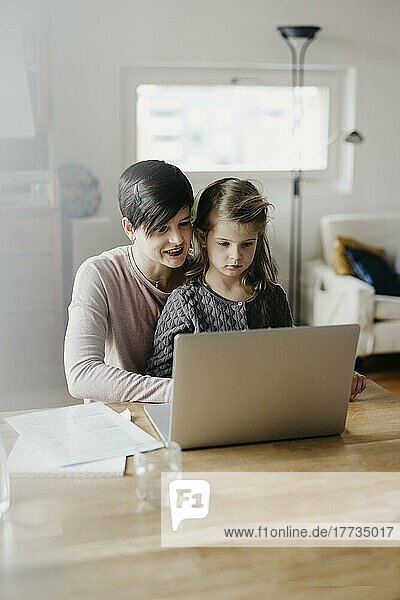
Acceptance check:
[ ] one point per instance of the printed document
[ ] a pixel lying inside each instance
(82, 433)
(24, 460)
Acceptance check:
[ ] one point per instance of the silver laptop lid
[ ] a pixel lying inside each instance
(250, 386)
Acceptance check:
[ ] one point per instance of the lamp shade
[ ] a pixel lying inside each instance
(298, 31)
(354, 137)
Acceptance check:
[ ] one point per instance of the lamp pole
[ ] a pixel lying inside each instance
(298, 39)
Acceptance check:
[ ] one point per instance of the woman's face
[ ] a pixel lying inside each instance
(169, 245)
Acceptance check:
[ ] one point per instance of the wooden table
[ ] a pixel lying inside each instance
(92, 538)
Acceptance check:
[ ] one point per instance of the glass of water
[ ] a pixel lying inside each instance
(148, 469)
(4, 481)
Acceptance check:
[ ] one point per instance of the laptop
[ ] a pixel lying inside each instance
(254, 386)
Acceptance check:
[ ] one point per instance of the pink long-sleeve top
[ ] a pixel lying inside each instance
(109, 339)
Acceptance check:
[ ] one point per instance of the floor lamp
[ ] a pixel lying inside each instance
(298, 39)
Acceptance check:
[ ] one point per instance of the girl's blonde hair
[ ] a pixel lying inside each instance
(238, 201)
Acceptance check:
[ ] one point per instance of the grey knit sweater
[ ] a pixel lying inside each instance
(197, 309)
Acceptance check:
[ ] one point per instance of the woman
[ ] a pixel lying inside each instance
(118, 296)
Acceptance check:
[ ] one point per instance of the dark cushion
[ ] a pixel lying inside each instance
(374, 270)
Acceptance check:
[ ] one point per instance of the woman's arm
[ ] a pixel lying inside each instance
(86, 372)
(174, 319)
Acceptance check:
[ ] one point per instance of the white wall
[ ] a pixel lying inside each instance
(93, 39)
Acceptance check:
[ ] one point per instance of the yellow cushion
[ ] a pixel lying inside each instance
(339, 260)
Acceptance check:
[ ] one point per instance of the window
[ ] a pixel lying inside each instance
(244, 120)
(233, 127)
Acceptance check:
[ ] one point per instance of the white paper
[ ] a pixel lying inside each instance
(77, 434)
(25, 460)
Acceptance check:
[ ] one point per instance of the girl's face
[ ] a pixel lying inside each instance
(169, 245)
(230, 247)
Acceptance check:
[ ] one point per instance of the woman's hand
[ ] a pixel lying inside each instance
(358, 384)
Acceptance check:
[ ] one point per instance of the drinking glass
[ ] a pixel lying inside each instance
(4, 481)
(148, 469)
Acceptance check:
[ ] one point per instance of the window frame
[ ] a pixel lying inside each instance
(340, 80)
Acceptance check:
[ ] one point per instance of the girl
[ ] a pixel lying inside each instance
(232, 281)
(118, 296)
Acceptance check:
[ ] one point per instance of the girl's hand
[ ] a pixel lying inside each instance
(358, 384)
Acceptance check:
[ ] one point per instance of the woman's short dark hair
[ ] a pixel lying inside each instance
(151, 193)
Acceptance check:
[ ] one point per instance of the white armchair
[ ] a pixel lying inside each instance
(331, 299)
